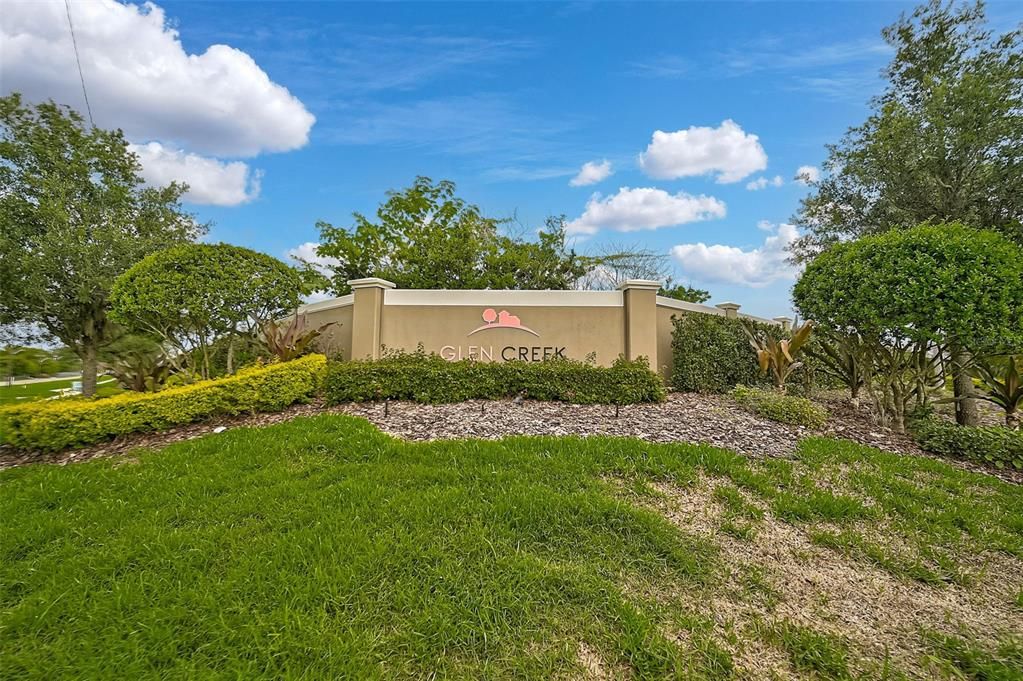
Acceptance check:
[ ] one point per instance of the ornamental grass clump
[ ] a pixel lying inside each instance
(796, 411)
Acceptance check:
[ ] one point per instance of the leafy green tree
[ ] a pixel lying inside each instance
(943, 143)
(74, 215)
(688, 294)
(194, 295)
(947, 284)
(427, 237)
(17, 360)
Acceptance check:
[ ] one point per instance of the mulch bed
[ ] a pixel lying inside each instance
(684, 417)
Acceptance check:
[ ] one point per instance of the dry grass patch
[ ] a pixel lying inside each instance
(779, 584)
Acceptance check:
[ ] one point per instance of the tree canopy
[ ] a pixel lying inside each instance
(425, 236)
(16, 360)
(945, 283)
(943, 142)
(74, 214)
(192, 295)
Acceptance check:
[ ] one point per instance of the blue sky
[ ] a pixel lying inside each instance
(508, 100)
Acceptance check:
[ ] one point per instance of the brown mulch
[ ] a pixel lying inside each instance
(684, 417)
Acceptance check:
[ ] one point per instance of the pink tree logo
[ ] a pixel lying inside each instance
(502, 320)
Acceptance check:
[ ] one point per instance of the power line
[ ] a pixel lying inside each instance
(81, 76)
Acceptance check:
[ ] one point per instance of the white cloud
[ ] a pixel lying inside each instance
(525, 174)
(211, 182)
(756, 268)
(307, 253)
(631, 210)
(798, 53)
(764, 183)
(592, 172)
(663, 66)
(807, 174)
(725, 150)
(318, 297)
(141, 79)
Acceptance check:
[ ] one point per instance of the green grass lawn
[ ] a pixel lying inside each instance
(30, 392)
(322, 548)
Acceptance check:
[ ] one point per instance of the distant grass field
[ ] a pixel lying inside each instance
(30, 392)
(322, 548)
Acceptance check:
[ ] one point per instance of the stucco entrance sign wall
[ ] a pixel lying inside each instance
(493, 320)
(496, 326)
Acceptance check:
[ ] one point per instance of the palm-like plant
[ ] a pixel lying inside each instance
(291, 340)
(138, 363)
(1003, 385)
(778, 356)
(843, 356)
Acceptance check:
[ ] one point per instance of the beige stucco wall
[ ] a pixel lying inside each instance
(336, 340)
(664, 326)
(446, 330)
(574, 324)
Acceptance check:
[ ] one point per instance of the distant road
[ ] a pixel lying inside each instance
(26, 381)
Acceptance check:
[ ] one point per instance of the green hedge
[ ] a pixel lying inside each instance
(711, 354)
(429, 378)
(776, 406)
(993, 445)
(57, 424)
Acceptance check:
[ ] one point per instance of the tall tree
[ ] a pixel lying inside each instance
(944, 143)
(425, 236)
(193, 296)
(932, 286)
(944, 140)
(610, 265)
(74, 215)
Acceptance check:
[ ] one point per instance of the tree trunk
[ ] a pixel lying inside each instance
(230, 358)
(898, 409)
(204, 371)
(962, 384)
(89, 368)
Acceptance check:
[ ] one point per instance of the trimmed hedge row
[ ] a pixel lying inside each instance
(429, 378)
(711, 354)
(992, 445)
(776, 406)
(55, 425)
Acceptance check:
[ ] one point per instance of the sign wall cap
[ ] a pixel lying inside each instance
(728, 306)
(782, 319)
(642, 284)
(370, 282)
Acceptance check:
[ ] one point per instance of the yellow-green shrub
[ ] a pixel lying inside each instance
(58, 424)
(780, 407)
